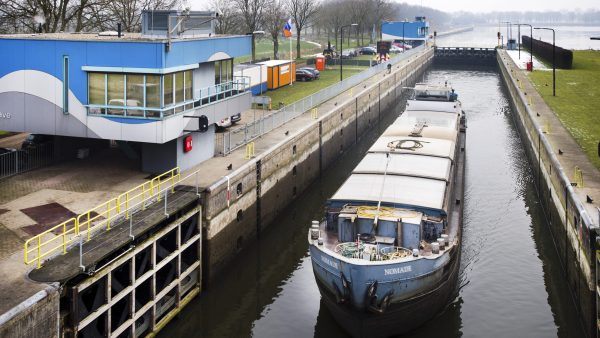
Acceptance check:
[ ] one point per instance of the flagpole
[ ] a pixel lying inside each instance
(291, 58)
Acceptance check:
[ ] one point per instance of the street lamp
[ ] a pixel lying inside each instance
(553, 58)
(341, 46)
(530, 41)
(403, 38)
(507, 32)
(255, 33)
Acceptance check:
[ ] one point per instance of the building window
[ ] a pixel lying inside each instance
(96, 88)
(140, 95)
(153, 91)
(188, 85)
(116, 93)
(168, 92)
(135, 94)
(65, 84)
(223, 71)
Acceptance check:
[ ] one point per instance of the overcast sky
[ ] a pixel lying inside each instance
(504, 5)
(479, 5)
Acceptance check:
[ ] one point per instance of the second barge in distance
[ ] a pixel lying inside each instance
(386, 259)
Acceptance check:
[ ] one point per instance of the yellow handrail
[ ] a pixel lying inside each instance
(68, 227)
(36, 248)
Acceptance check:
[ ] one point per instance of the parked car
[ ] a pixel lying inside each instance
(314, 71)
(34, 140)
(236, 118)
(6, 150)
(367, 51)
(224, 123)
(348, 53)
(304, 75)
(402, 45)
(396, 49)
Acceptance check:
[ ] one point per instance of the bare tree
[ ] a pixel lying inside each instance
(253, 15)
(303, 12)
(129, 12)
(274, 23)
(228, 20)
(50, 15)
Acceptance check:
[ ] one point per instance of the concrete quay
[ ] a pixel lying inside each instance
(566, 181)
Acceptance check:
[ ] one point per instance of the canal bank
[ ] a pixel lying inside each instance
(566, 198)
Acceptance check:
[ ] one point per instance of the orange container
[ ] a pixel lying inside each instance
(279, 73)
(320, 63)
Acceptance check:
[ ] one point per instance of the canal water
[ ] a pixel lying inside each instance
(511, 282)
(569, 37)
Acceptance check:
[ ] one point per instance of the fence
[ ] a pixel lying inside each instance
(228, 141)
(100, 218)
(18, 161)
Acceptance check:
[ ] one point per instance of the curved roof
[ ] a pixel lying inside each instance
(406, 129)
(414, 145)
(449, 107)
(415, 191)
(405, 165)
(431, 118)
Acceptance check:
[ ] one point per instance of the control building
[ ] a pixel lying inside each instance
(157, 93)
(414, 33)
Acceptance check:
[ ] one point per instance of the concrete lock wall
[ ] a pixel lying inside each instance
(35, 317)
(565, 222)
(265, 186)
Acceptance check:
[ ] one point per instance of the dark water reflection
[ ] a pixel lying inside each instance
(511, 281)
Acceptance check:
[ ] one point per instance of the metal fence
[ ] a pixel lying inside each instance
(18, 161)
(230, 140)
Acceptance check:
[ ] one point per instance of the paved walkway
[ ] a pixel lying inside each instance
(76, 186)
(561, 139)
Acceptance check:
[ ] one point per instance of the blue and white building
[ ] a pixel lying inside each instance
(157, 88)
(413, 32)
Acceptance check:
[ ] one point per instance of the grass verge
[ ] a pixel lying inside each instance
(577, 99)
(299, 90)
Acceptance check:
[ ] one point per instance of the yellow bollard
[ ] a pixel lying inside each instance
(314, 113)
(578, 177)
(546, 129)
(249, 151)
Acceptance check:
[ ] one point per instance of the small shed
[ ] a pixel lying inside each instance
(279, 73)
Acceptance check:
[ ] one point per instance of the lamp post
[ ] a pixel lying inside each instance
(403, 38)
(255, 33)
(530, 41)
(553, 58)
(507, 32)
(342, 48)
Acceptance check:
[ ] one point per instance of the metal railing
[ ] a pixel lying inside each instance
(18, 161)
(202, 96)
(233, 139)
(99, 218)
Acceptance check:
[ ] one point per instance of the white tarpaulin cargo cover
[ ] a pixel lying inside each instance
(405, 164)
(401, 129)
(432, 118)
(449, 107)
(423, 146)
(405, 190)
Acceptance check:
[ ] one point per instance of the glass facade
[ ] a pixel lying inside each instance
(223, 71)
(154, 95)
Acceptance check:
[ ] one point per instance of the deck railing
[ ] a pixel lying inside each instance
(99, 218)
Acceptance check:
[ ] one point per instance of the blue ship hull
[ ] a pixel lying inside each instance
(411, 300)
